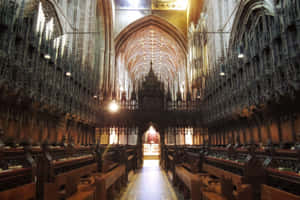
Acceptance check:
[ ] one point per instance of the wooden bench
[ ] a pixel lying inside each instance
(106, 181)
(65, 184)
(111, 159)
(220, 173)
(188, 173)
(170, 161)
(131, 162)
(61, 173)
(271, 193)
(113, 174)
(192, 162)
(17, 175)
(25, 192)
(190, 180)
(86, 190)
(233, 184)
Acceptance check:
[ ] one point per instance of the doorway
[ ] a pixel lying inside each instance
(151, 144)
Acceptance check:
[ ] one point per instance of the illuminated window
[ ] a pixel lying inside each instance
(181, 4)
(61, 39)
(189, 136)
(41, 23)
(113, 137)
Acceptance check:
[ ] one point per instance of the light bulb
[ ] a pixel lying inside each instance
(113, 106)
(152, 130)
(47, 56)
(241, 55)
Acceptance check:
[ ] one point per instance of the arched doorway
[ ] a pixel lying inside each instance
(151, 144)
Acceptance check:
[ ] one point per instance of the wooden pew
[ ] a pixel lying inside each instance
(261, 171)
(187, 174)
(282, 172)
(111, 158)
(232, 178)
(108, 181)
(17, 174)
(170, 160)
(190, 180)
(131, 161)
(62, 170)
(271, 193)
(113, 173)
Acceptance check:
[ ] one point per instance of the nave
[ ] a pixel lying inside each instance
(89, 89)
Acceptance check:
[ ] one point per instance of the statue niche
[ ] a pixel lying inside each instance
(151, 93)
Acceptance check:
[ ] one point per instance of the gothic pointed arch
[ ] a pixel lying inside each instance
(151, 39)
(147, 21)
(50, 10)
(247, 14)
(105, 41)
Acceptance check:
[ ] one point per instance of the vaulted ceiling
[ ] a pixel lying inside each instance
(152, 44)
(163, 41)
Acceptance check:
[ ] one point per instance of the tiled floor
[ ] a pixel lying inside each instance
(150, 183)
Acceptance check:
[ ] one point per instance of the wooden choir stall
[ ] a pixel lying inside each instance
(234, 172)
(56, 172)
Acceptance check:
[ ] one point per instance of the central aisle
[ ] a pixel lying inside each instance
(150, 183)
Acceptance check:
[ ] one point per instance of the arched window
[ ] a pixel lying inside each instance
(43, 24)
(189, 136)
(113, 137)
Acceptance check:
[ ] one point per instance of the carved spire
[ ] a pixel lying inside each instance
(151, 72)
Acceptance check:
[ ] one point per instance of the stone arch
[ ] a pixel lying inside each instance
(247, 9)
(136, 63)
(105, 39)
(155, 126)
(151, 20)
(50, 11)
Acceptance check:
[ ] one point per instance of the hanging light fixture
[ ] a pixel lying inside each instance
(68, 74)
(241, 52)
(113, 106)
(222, 70)
(198, 94)
(47, 56)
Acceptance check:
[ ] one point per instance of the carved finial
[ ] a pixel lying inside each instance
(151, 67)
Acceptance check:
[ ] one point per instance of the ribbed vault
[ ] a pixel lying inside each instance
(152, 42)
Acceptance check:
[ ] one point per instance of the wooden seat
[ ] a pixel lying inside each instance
(191, 161)
(17, 174)
(108, 165)
(65, 184)
(212, 196)
(220, 173)
(85, 190)
(190, 180)
(25, 192)
(271, 193)
(84, 195)
(105, 180)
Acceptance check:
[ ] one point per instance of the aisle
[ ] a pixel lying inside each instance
(150, 183)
